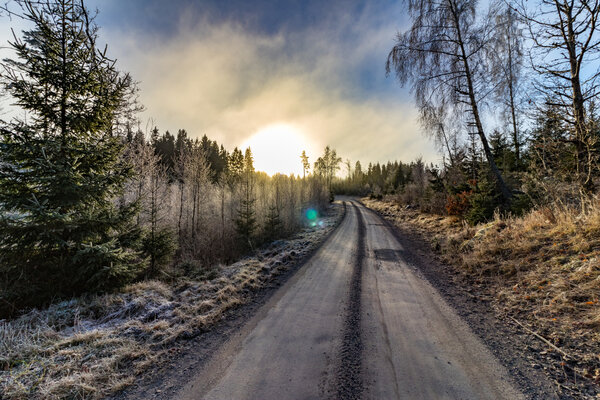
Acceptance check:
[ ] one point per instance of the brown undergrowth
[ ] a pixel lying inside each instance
(542, 270)
(95, 346)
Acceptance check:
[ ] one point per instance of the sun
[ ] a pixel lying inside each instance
(277, 148)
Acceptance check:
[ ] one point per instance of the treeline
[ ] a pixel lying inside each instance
(509, 92)
(512, 85)
(87, 203)
(463, 185)
(210, 202)
(377, 179)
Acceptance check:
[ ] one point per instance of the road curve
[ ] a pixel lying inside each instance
(355, 322)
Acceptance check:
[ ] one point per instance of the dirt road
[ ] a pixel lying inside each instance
(356, 322)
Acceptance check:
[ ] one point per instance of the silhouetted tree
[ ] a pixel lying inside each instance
(246, 220)
(305, 164)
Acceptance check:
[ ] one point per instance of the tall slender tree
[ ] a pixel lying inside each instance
(246, 220)
(61, 166)
(506, 55)
(305, 163)
(443, 55)
(566, 46)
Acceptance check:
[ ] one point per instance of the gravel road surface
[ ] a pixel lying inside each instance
(357, 321)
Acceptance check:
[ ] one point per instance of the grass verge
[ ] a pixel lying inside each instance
(95, 346)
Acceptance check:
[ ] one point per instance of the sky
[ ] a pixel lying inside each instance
(274, 75)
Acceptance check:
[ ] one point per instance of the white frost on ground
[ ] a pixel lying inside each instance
(93, 346)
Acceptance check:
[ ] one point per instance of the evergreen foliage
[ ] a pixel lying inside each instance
(483, 201)
(159, 246)
(61, 167)
(246, 221)
(273, 225)
(326, 167)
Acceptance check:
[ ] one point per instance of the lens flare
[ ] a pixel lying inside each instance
(312, 214)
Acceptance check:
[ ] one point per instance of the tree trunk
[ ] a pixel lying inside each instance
(584, 168)
(181, 198)
(475, 110)
(447, 144)
(511, 94)
(223, 219)
(194, 197)
(153, 217)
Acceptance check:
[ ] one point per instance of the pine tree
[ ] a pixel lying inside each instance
(235, 165)
(473, 160)
(305, 163)
(550, 148)
(61, 167)
(504, 155)
(246, 220)
(273, 224)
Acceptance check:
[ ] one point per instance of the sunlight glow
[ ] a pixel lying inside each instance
(277, 148)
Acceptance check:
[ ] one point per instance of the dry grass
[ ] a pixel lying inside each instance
(543, 268)
(95, 346)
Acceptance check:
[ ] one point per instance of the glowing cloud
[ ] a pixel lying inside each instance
(325, 81)
(277, 148)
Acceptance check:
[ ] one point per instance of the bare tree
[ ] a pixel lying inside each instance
(140, 155)
(180, 165)
(157, 204)
(435, 120)
(506, 55)
(443, 54)
(565, 51)
(198, 180)
(332, 164)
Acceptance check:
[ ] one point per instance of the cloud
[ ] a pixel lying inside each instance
(228, 80)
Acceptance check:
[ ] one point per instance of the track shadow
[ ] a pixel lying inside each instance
(387, 254)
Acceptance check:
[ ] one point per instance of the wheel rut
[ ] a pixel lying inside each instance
(349, 377)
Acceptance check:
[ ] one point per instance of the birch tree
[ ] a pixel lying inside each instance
(506, 54)
(443, 55)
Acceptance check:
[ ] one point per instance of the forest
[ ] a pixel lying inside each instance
(125, 251)
(90, 203)
(509, 93)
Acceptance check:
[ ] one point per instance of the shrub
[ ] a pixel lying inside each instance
(520, 204)
(459, 203)
(159, 248)
(483, 202)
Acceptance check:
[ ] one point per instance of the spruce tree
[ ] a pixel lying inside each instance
(273, 224)
(246, 219)
(61, 166)
(550, 150)
(305, 163)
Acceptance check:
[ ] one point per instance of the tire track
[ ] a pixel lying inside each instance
(349, 377)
